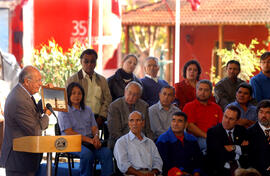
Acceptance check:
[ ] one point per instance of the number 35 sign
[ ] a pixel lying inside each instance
(63, 20)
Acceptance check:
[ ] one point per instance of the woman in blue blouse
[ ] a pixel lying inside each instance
(80, 120)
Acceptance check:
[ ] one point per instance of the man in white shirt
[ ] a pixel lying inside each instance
(134, 152)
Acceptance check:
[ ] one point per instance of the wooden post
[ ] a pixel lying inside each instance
(127, 39)
(168, 73)
(220, 46)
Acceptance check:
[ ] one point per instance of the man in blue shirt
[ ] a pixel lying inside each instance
(160, 114)
(178, 148)
(134, 152)
(248, 111)
(151, 83)
(261, 82)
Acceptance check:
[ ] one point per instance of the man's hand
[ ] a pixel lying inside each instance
(50, 85)
(244, 143)
(96, 142)
(47, 111)
(229, 148)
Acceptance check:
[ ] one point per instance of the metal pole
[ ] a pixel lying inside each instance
(90, 22)
(177, 43)
(49, 164)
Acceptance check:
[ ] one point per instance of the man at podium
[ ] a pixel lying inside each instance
(22, 118)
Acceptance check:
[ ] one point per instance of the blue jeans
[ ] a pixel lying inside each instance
(87, 158)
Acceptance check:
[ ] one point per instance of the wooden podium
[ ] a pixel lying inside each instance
(48, 144)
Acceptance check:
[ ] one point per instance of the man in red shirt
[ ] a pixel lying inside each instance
(203, 113)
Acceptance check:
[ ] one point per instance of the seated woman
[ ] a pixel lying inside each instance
(185, 91)
(80, 120)
(123, 76)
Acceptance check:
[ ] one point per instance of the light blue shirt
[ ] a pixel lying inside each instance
(250, 114)
(260, 85)
(160, 119)
(81, 121)
(129, 151)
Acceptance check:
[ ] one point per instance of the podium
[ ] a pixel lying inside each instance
(48, 144)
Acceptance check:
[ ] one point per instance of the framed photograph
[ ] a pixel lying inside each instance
(56, 96)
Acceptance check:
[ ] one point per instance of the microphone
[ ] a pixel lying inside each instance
(49, 106)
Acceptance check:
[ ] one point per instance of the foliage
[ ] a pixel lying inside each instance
(248, 57)
(55, 65)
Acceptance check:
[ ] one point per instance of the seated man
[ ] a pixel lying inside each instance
(151, 83)
(80, 120)
(136, 154)
(202, 113)
(248, 111)
(120, 109)
(226, 144)
(225, 89)
(179, 149)
(160, 114)
(259, 139)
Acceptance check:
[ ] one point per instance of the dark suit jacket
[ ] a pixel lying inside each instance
(216, 139)
(259, 149)
(21, 119)
(118, 119)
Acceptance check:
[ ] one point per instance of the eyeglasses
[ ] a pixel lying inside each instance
(86, 61)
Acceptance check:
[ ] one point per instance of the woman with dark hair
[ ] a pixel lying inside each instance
(123, 76)
(80, 120)
(185, 91)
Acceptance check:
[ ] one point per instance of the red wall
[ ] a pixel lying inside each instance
(203, 38)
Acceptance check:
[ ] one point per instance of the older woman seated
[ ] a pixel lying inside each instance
(80, 120)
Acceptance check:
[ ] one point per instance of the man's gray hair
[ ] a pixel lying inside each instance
(136, 112)
(134, 83)
(26, 72)
(151, 58)
(204, 81)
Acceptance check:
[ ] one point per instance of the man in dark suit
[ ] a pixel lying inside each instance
(120, 109)
(22, 118)
(259, 140)
(226, 144)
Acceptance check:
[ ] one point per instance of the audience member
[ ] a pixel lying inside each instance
(123, 76)
(248, 111)
(185, 91)
(122, 107)
(226, 144)
(261, 82)
(225, 89)
(134, 152)
(160, 114)
(151, 84)
(80, 120)
(179, 149)
(23, 118)
(259, 139)
(97, 92)
(202, 113)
